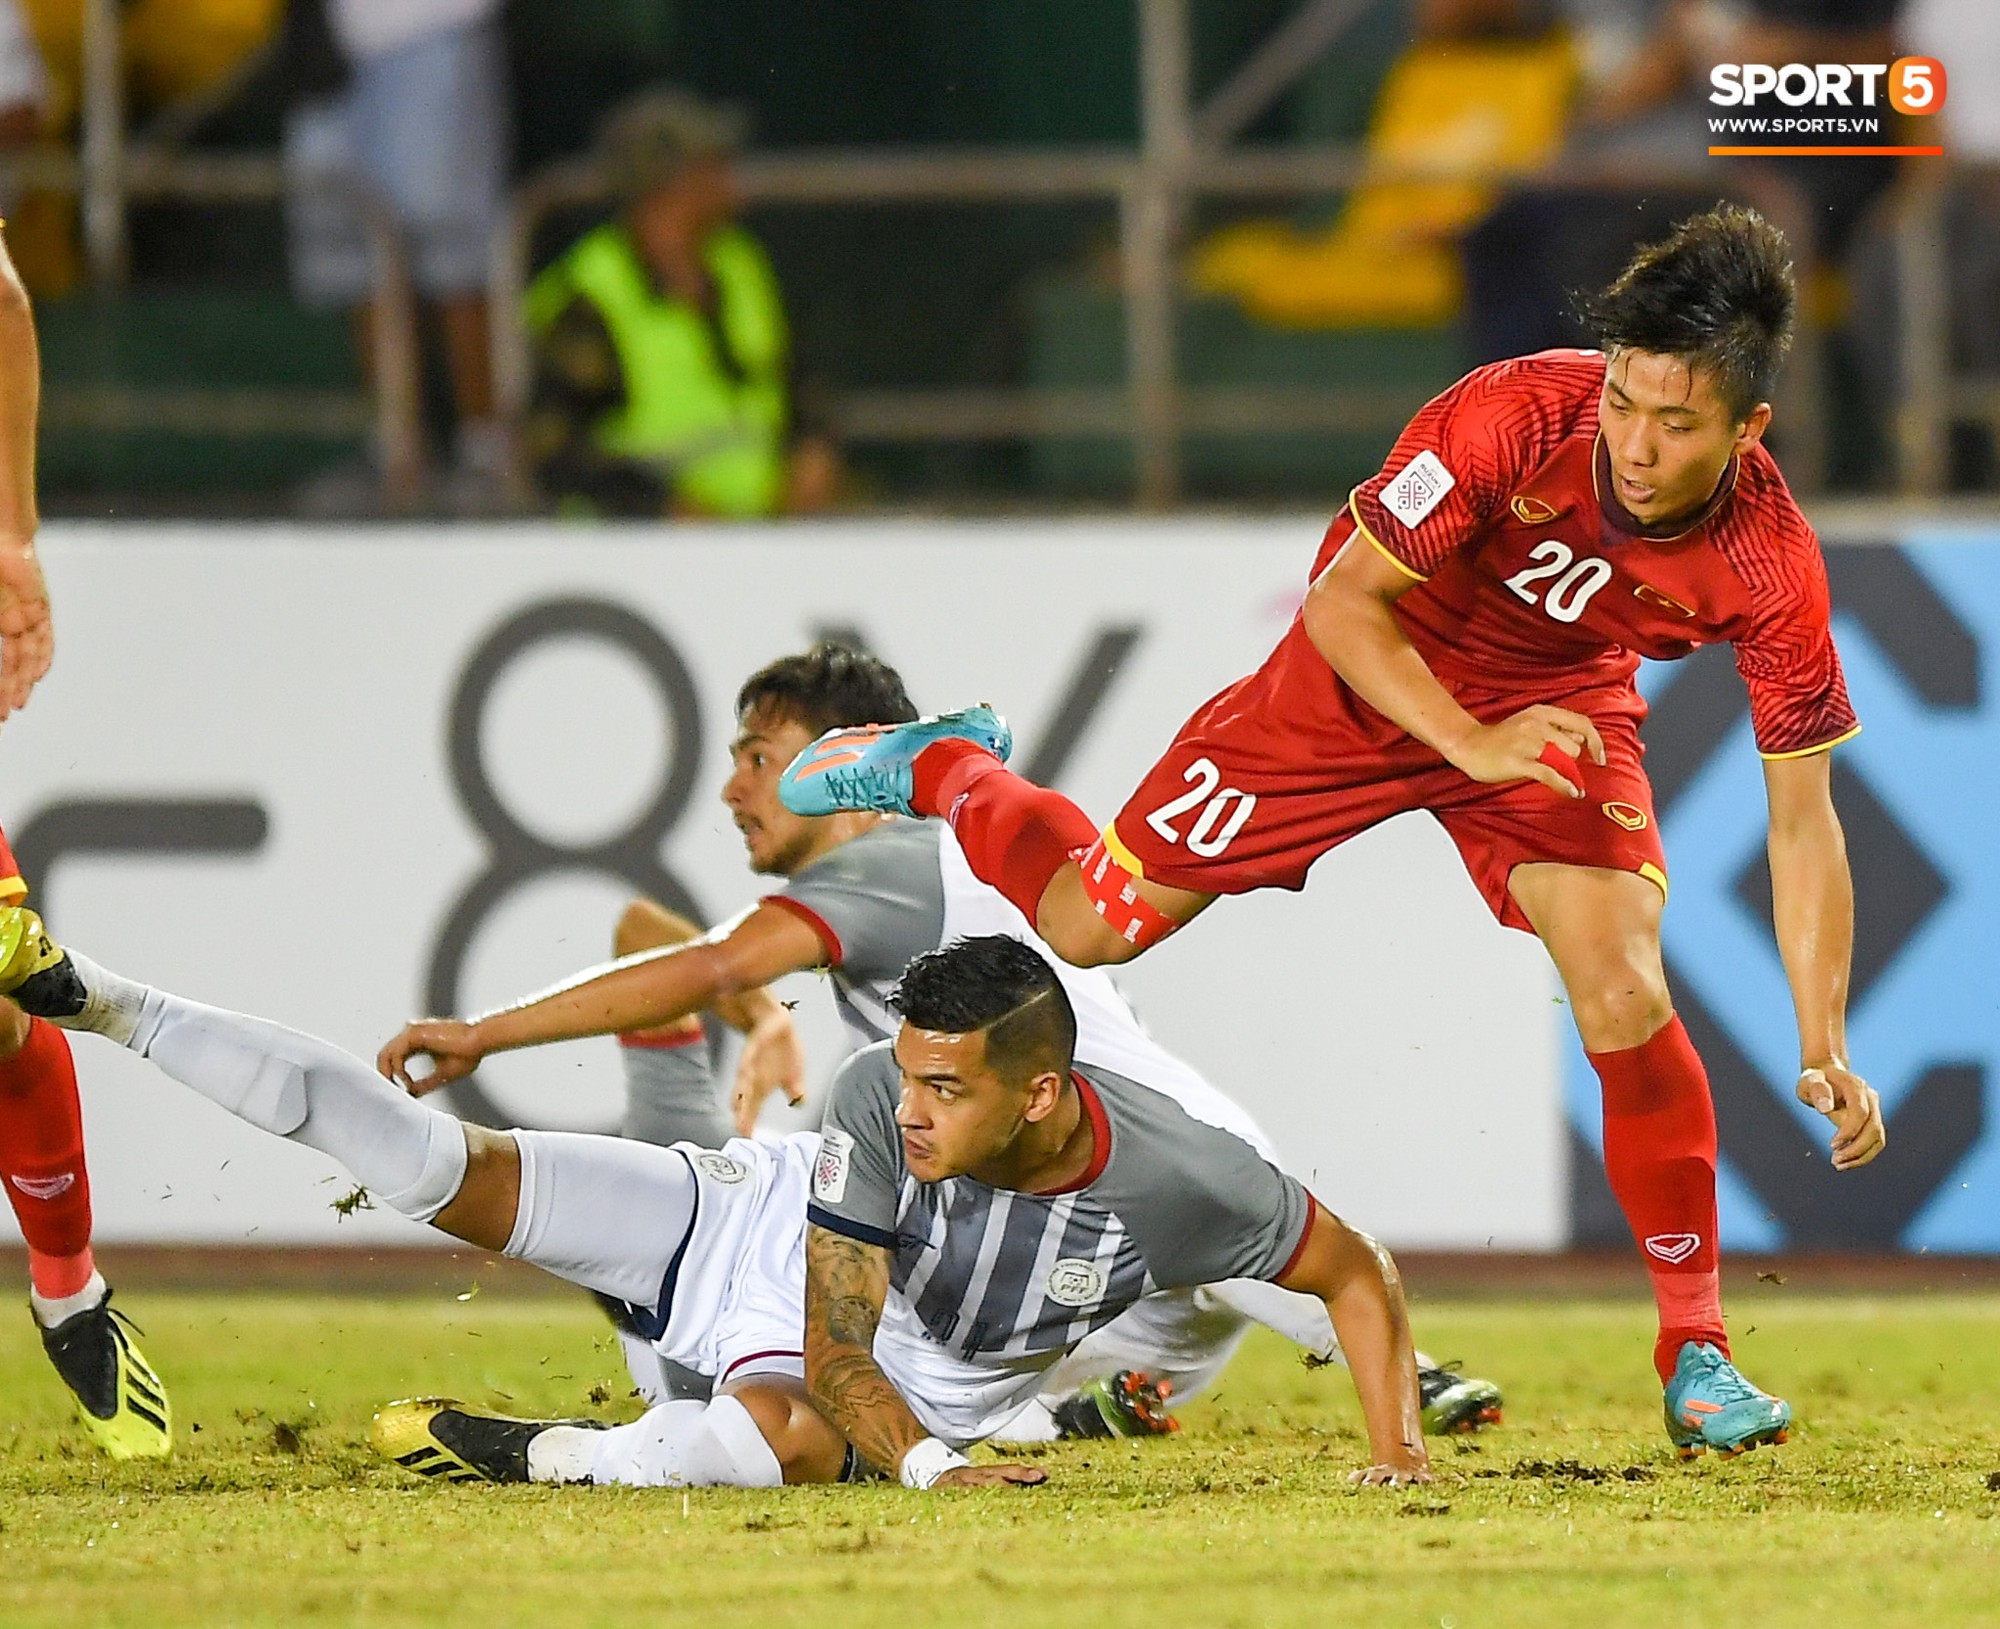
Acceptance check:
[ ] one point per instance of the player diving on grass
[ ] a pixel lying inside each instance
(861, 895)
(978, 1202)
(1467, 646)
(120, 1402)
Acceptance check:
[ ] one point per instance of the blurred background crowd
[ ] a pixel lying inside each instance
(356, 258)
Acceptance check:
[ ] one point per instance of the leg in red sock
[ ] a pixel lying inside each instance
(1016, 835)
(1659, 1153)
(41, 1153)
(1602, 926)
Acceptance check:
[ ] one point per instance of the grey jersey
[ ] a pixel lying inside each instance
(903, 888)
(877, 902)
(996, 1276)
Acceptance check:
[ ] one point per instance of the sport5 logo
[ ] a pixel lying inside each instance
(1914, 84)
(1673, 1248)
(516, 855)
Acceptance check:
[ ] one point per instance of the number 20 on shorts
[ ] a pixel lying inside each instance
(1225, 811)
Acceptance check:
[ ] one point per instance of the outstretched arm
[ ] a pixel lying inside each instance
(1812, 906)
(1351, 623)
(634, 992)
(1354, 1276)
(847, 1281)
(27, 637)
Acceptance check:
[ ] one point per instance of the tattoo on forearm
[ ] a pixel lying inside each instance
(845, 1284)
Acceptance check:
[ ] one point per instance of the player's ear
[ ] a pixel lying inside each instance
(1044, 1093)
(1752, 429)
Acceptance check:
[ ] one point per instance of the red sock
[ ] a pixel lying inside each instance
(41, 1160)
(1016, 835)
(1659, 1152)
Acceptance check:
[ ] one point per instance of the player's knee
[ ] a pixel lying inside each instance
(646, 924)
(1623, 1009)
(483, 1205)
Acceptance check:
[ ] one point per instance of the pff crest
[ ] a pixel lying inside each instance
(1075, 1282)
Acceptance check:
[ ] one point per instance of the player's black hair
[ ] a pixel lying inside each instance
(1718, 293)
(832, 686)
(996, 984)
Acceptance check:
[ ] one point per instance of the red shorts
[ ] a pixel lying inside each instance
(12, 888)
(1289, 763)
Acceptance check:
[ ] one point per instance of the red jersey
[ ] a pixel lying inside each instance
(1534, 583)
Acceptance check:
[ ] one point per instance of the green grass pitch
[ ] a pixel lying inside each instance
(1878, 1513)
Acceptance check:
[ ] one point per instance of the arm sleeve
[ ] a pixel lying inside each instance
(876, 902)
(1212, 1207)
(857, 1178)
(1798, 693)
(1461, 457)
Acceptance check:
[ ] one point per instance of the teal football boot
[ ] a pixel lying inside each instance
(870, 767)
(1710, 1405)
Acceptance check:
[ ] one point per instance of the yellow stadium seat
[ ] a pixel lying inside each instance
(1391, 259)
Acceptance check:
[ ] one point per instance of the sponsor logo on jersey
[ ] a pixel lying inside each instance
(45, 1187)
(1418, 488)
(1075, 1282)
(1673, 1248)
(836, 1150)
(1532, 511)
(1628, 815)
(1649, 595)
(722, 1168)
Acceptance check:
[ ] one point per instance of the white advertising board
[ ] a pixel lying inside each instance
(400, 749)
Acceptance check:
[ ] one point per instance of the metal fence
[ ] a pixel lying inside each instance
(1184, 156)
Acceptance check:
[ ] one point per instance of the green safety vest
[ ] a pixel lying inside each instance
(718, 440)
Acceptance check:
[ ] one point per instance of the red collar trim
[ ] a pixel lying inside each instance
(1626, 525)
(1100, 1138)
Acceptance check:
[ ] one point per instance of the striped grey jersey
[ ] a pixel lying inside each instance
(996, 1275)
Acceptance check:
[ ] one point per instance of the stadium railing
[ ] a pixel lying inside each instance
(1931, 395)
(1152, 192)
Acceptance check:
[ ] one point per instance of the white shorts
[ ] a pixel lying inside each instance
(706, 1245)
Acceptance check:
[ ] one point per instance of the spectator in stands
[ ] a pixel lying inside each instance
(24, 81)
(1644, 98)
(414, 109)
(662, 357)
(1965, 36)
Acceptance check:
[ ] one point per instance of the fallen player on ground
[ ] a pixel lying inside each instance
(978, 1207)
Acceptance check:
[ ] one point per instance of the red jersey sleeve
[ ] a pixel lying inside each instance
(1798, 694)
(1460, 459)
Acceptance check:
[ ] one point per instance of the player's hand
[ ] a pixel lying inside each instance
(992, 1476)
(772, 1060)
(451, 1045)
(1519, 749)
(27, 635)
(1853, 1106)
(1404, 1473)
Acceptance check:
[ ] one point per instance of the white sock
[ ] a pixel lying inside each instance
(410, 1156)
(563, 1453)
(50, 1311)
(113, 1007)
(682, 1445)
(1033, 1423)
